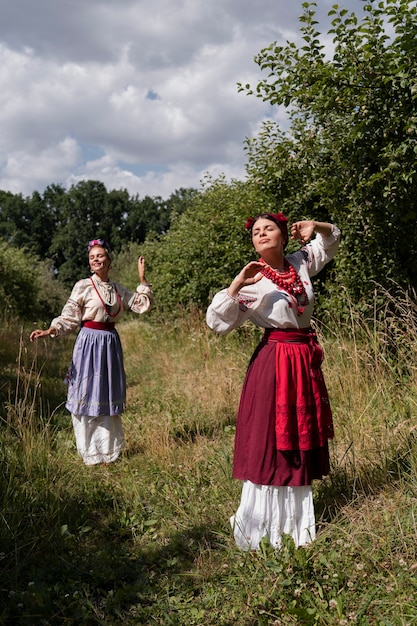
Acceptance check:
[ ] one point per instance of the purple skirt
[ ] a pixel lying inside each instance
(96, 377)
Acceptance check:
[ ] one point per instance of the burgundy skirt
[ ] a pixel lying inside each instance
(284, 420)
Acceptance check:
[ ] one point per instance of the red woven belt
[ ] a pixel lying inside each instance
(99, 325)
(290, 335)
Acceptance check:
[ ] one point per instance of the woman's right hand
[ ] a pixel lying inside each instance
(249, 275)
(36, 334)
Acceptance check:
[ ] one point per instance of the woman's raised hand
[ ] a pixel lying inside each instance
(251, 273)
(302, 231)
(141, 269)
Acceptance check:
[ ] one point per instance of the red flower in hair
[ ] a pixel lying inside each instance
(249, 223)
(278, 218)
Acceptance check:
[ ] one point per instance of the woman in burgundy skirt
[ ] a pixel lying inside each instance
(284, 420)
(96, 377)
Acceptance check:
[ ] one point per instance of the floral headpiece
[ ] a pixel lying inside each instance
(279, 218)
(98, 242)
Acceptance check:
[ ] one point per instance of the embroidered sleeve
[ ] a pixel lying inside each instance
(321, 250)
(245, 301)
(141, 300)
(69, 320)
(226, 313)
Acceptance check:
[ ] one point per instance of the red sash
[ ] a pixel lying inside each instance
(99, 325)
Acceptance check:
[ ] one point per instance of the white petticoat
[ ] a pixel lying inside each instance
(98, 439)
(270, 511)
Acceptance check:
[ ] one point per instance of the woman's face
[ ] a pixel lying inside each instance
(99, 260)
(266, 235)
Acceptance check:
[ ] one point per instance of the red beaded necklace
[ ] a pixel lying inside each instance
(288, 281)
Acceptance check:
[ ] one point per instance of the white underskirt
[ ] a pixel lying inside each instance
(270, 511)
(98, 439)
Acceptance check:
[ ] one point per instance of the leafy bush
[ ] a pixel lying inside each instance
(27, 286)
(350, 153)
(204, 249)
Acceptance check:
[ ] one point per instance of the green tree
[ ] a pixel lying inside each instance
(27, 288)
(144, 215)
(350, 152)
(27, 222)
(204, 248)
(178, 202)
(87, 211)
(14, 221)
(57, 225)
(154, 214)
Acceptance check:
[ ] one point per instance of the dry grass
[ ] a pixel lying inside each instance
(147, 539)
(370, 369)
(181, 394)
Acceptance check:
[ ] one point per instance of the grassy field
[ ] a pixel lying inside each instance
(147, 539)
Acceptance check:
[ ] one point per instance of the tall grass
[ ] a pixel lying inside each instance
(147, 539)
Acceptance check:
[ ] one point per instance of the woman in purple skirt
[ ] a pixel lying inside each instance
(96, 377)
(284, 420)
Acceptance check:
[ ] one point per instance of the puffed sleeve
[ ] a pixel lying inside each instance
(139, 301)
(321, 250)
(71, 315)
(226, 313)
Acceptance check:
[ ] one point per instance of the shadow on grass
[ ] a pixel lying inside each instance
(91, 570)
(349, 483)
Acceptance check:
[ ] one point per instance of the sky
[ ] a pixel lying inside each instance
(139, 94)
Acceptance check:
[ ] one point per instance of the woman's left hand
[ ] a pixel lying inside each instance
(141, 269)
(302, 231)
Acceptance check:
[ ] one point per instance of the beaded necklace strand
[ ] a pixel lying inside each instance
(289, 281)
(107, 306)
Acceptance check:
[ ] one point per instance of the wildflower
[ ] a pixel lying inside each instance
(297, 592)
(359, 566)
(333, 603)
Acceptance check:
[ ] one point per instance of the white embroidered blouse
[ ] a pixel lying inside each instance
(86, 303)
(264, 303)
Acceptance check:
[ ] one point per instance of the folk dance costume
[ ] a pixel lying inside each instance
(96, 377)
(284, 419)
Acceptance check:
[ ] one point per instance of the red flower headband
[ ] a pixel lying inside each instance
(279, 218)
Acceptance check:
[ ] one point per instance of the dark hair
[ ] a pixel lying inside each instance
(279, 218)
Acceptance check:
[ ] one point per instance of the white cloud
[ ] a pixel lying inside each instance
(141, 94)
(23, 168)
